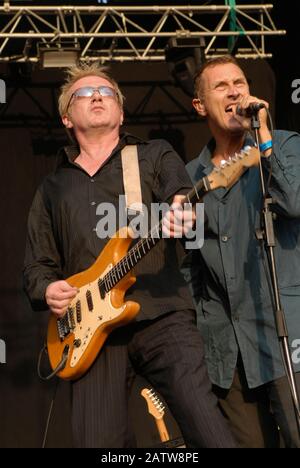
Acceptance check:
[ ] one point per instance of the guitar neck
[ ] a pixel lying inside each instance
(163, 432)
(144, 245)
(198, 192)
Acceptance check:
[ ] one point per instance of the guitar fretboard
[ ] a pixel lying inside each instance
(144, 245)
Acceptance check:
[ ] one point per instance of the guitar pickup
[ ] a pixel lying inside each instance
(70, 318)
(101, 289)
(89, 300)
(78, 312)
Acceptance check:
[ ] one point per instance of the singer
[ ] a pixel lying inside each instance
(228, 277)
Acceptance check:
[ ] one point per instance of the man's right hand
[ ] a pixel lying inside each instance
(58, 296)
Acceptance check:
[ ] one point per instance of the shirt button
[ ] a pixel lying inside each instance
(235, 318)
(224, 238)
(92, 180)
(93, 203)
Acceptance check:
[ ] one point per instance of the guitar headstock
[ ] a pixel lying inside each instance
(230, 171)
(155, 406)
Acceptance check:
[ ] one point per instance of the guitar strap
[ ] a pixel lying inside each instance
(131, 179)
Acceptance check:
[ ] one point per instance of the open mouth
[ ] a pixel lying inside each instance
(229, 110)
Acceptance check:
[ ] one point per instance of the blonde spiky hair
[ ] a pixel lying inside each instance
(74, 74)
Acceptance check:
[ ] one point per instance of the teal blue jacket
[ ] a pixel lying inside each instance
(229, 277)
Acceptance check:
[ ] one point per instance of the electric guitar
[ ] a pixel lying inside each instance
(156, 409)
(74, 341)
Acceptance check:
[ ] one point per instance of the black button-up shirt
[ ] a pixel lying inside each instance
(62, 225)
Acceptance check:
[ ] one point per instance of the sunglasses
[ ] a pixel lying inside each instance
(88, 91)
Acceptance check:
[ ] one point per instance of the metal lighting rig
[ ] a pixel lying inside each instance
(131, 33)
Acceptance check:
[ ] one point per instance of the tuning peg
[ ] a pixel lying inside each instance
(247, 149)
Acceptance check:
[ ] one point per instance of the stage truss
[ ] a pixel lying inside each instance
(133, 33)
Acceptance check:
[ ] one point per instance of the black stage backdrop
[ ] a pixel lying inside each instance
(29, 140)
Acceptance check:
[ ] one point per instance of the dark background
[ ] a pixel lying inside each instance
(30, 134)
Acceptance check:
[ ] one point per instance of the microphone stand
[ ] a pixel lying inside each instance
(266, 233)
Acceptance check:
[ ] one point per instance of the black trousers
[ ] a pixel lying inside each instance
(169, 353)
(255, 415)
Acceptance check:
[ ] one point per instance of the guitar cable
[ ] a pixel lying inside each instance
(58, 368)
(50, 414)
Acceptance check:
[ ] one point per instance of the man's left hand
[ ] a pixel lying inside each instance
(179, 220)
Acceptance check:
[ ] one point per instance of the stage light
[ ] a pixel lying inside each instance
(59, 57)
(184, 57)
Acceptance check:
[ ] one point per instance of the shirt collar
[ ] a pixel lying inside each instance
(207, 152)
(71, 152)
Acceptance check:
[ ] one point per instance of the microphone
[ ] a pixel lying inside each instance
(252, 109)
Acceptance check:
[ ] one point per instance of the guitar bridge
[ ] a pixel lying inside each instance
(66, 324)
(63, 329)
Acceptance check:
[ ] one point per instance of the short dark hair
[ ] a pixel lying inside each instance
(222, 60)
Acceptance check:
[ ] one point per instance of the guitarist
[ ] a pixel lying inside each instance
(163, 343)
(229, 277)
